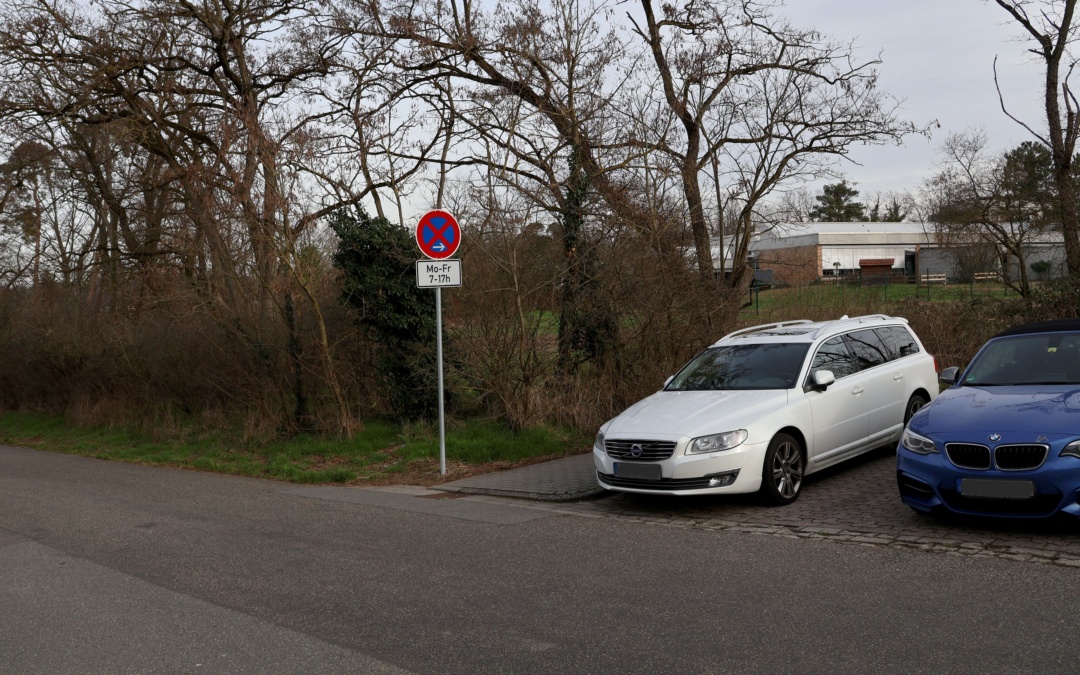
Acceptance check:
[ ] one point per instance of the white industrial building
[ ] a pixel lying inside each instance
(802, 252)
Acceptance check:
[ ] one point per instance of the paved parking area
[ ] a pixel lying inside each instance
(561, 480)
(855, 503)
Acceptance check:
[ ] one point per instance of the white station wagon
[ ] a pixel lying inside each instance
(768, 405)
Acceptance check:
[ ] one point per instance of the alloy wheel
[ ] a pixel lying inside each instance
(787, 470)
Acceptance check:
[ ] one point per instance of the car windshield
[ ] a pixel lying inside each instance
(753, 366)
(1042, 358)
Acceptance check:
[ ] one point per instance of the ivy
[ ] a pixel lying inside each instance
(377, 260)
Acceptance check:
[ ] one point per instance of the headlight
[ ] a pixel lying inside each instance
(916, 443)
(600, 440)
(1071, 450)
(716, 442)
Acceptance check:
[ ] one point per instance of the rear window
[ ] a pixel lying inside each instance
(898, 341)
(867, 348)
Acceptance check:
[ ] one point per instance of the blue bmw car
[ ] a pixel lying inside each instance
(1004, 440)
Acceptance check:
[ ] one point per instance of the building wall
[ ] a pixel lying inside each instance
(800, 253)
(849, 256)
(959, 262)
(796, 265)
(935, 261)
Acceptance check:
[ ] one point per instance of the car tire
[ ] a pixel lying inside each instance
(783, 470)
(916, 401)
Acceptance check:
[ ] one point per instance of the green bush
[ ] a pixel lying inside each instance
(377, 260)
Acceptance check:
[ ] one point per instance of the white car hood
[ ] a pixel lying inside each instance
(695, 413)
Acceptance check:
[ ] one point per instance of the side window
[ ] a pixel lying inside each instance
(898, 340)
(867, 348)
(833, 355)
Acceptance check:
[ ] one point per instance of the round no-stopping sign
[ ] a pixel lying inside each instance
(438, 234)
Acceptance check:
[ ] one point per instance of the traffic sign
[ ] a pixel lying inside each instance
(438, 274)
(438, 234)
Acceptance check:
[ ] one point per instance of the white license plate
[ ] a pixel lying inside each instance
(997, 488)
(645, 471)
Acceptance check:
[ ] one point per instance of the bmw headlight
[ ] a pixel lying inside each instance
(716, 442)
(916, 443)
(1071, 450)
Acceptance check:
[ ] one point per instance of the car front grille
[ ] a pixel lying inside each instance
(968, 455)
(1020, 457)
(651, 451)
(665, 483)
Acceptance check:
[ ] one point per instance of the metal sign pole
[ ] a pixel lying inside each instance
(438, 235)
(438, 354)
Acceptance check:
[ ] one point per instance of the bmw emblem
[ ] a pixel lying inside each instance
(995, 437)
(636, 449)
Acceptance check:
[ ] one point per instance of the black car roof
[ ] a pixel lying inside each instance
(1055, 326)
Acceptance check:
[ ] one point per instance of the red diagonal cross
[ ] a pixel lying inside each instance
(437, 234)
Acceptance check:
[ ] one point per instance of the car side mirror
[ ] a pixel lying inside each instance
(822, 379)
(949, 375)
(668, 381)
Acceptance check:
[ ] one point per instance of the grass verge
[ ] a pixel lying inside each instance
(833, 300)
(382, 453)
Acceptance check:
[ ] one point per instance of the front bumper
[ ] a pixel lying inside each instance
(931, 482)
(690, 474)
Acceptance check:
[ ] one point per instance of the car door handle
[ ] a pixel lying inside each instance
(898, 376)
(857, 390)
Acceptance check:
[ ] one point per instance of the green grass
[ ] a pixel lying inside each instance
(798, 302)
(381, 453)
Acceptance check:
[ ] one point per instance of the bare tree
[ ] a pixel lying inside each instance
(982, 197)
(538, 81)
(1049, 25)
(774, 99)
(213, 96)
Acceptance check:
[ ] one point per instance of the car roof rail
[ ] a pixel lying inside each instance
(766, 326)
(858, 319)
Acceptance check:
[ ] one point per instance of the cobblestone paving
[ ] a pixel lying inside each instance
(856, 503)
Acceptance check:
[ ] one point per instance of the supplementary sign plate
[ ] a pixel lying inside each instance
(438, 273)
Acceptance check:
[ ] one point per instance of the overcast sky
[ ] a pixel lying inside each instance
(938, 56)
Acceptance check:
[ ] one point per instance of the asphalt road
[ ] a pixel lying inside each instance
(117, 568)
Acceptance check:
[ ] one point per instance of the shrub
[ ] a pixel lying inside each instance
(377, 261)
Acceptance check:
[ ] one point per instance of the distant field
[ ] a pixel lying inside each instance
(833, 300)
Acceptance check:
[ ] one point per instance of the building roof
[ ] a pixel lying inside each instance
(796, 229)
(845, 234)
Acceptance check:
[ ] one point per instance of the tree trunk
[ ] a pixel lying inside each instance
(586, 332)
(692, 190)
(1070, 230)
(301, 415)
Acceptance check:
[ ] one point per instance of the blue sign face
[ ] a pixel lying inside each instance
(438, 234)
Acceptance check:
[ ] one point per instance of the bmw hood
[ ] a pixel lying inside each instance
(1053, 409)
(695, 413)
